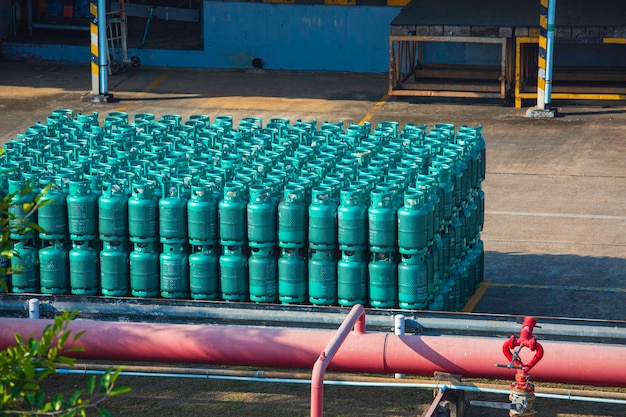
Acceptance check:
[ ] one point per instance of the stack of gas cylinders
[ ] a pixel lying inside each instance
(290, 212)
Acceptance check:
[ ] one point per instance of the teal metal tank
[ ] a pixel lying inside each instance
(457, 238)
(443, 172)
(112, 213)
(173, 213)
(202, 216)
(232, 216)
(21, 201)
(174, 271)
(82, 211)
(26, 265)
(84, 269)
(204, 283)
(52, 214)
(352, 221)
(54, 269)
(234, 275)
(143, 213)
(428, 185)
(413, 282)
(383, 281)
(382, 222)
(322, 220)
(322, 278)
(263, 275)
(413, 223)
(292, 277)
(144, 270)
(352, 279)
(114, 270)
(261, 216)
(292, 218)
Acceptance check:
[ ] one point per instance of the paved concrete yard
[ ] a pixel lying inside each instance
(555, 227)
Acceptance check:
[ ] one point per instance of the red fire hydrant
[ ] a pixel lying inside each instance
(522, 394)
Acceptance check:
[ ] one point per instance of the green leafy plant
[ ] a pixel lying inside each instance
(16, 212)
(24, 366)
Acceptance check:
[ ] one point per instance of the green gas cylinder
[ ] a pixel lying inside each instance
(382, 222)
(472, 218)
(52, 213)
(413, 223)
(173, 213)
(318, 166)
(261, 216)
(232, 216)
(471, 259)
(292, 218)
(471, 155)
(82, 211)
(322, 220)
(457, 238)
(114, 270)
(383, 280)
(143, 213)
(174, 271)
(430, 272)
(54, 270)
(352, 279)
(413, 282)
(455, 277)
(464, 163)
(450, 298)
(352, 221)
(292, 277)
(263, 275)
(204, 274)
(144, 270)
(202, 216)
(438, 263)
(480, 149)
(22, 199)
(443, 171)
(439, 302)
(428, 185)
(322, 278)
(25, 265)
(84, 269)
(234, 274)
(112, 212)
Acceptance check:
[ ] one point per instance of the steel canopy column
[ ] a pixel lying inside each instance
(546, 53)
(99, 54)
(95, 50)
(102, 46)
(550, 51)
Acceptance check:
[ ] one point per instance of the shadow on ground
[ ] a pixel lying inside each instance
(554, 285)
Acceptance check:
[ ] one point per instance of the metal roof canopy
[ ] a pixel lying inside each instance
(511, 13)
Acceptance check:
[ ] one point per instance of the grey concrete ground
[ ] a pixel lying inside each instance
(555, 227)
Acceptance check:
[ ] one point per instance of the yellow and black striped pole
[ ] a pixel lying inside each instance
(99, 58)
(546, 52)
(95, 52)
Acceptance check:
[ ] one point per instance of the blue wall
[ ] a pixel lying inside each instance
(312, 37)
(284, 36)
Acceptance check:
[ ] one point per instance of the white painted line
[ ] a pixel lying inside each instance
(557, 287)
(563, 215)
